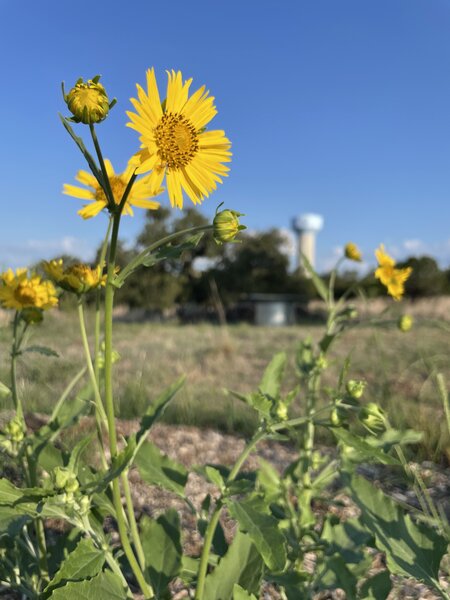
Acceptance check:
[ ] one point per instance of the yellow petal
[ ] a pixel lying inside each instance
(77, 192)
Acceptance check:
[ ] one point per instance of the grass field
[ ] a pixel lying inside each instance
(398, 369)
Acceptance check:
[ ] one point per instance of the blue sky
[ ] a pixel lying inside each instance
(338, 107)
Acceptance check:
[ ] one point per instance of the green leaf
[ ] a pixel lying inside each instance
(84, 562)
(50, 457)
(12, 520)
(412, 549)
(121, 462)
(169, 251)
(75, 455)
(44, 350)
(269, 480)
(377, 587)
(320, 286)
(364, 450)
(4, 390)
(348, 539)
(156, 410)
(157, 469)
(334, 573)
(273, 376)
(214, 476)
(263, 531)
(241, 565)
(104, 586)
(79, 142)
(161, 542)
(241, 594)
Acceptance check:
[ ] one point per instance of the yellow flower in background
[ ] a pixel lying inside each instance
(77, 278)
(174, 142)
(394, 279)
(88, 102)
(140, 192)
(352, 252)
(21, 290)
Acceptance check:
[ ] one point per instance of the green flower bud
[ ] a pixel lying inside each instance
(32, 315)
(335, 417)
(321, 362)
(85, 504)
(72, 484)
(372, 416)
(355, 388)
(226, 225)
(405, 323)
(60, 476)
(88, 102)
(14, 430)
(282, 411)
(7, 445)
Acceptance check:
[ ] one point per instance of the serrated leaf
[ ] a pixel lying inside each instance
(161, 542)
(377, 587)
(156, 410)
(365, 451)
(157, 469)
(241, 565)
(348, 539)
(241, 594)
(412, 549)
(104, 586)
(273, 376)
(44, 350)
(263, 531)
(84, 562)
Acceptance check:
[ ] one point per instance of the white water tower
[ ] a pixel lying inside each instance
(307, 226)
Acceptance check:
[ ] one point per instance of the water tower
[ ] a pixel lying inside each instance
(307, 226)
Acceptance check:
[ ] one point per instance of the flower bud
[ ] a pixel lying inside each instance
(32, 315)
(14, 430)
(226, 225)
(352, 252)
(85, 504)
(282, 411)
(355, 388)
(336, 417)
(321, 362)
(60, 477)
(405, 323)
(372, 416)
(88, 102)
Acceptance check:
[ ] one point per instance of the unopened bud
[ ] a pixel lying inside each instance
(88, 102)
(32, 315)
(227, 226)
(282, 411)
(352, 252)
(355, 388)
(372, 416)
(405, 323)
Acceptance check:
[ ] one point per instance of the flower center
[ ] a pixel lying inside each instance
(25, 294)
(117, 187)
(177, 140)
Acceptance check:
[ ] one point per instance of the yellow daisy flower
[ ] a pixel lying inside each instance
(140, 192)
(77, 278)
(174, 142)
(23, 290)
(394, 279)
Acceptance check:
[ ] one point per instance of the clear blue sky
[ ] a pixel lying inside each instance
(340, 107)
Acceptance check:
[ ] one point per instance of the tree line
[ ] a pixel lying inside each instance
(230, 273)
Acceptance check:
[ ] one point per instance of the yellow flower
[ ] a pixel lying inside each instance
(352, 252)
(174, 141)
(88, 102)
(394, 279)
(77, 278)
(140, 192)
(22, 290)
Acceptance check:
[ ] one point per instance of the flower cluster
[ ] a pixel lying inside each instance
(394, 279)
(76, 278)
(23, 290)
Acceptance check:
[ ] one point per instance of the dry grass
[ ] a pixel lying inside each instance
(398, 368)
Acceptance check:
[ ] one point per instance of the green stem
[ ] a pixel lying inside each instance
(211, 528)
(109, 407)
(137, 260)
(100, 415)
(38, 522)
(132, 519)
(107, 190)
(14, 354)
(98, 295)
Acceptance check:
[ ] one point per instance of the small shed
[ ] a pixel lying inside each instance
(274, 309)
